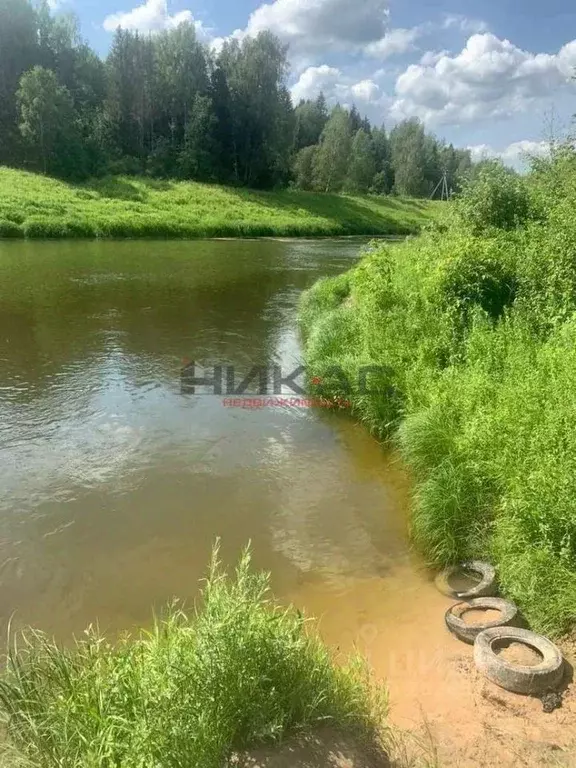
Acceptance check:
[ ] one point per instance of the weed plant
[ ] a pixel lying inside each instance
(237, 672)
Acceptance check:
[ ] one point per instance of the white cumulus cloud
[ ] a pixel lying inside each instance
(366, 90)
(395, 42)
(489, 78)
(431, 58)
(152, 16)
(337, 87)
(314, 80)
(321, 25)
(313, 28)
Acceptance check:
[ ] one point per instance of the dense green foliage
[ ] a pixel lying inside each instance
(339, 151)
(238, 672)
(167, 106)
(34, 206)
(163, 105)
(475, 323)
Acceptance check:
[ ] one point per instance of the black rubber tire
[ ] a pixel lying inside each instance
(468, 632)
(487, 587)
(514, 677)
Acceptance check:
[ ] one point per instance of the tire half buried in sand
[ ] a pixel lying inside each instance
(455, 616)
(546, 674)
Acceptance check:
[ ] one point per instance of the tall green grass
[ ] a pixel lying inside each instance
(34, 206)
(475, 322)
(237, 672)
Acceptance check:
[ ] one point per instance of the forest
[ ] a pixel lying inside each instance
(167, 106)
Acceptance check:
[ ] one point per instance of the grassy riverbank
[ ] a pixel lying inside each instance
(238, 672)
(476, 325)
(35, 206)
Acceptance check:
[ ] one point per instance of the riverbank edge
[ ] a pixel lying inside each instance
(73, 231)
(455, 498)
(296, 238)
(35, 207)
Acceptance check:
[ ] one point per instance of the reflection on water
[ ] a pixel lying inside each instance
(115, 484)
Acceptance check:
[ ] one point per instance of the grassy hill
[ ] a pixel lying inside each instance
(34, 206)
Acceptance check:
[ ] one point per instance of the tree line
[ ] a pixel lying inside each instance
(167, 106)
(341, 151)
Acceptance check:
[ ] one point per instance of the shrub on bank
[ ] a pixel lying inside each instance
(478, 328)
(238, 672)
(497, 198)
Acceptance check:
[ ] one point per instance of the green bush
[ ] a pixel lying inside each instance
(497, 198)
(238, 672)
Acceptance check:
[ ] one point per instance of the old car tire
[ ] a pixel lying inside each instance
(485, 588)
(468, 632)
(515, 677)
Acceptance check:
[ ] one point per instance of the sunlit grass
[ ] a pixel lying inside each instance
(478, 333)
(36, 207)
(237, 672)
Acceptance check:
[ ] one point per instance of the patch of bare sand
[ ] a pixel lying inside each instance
(472, 723)
(449, 714)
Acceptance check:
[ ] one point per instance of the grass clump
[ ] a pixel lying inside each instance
(129, 207)
(475, 324)
(10, 229)
(191, 692)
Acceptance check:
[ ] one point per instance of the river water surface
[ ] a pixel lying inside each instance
(115, 483)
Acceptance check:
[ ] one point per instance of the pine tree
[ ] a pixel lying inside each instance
(355, 120)
(311, 118)
(383, 181)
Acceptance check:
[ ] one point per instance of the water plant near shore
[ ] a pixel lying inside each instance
(237, 672)
(476, 323)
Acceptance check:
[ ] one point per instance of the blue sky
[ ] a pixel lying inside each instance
(492, 74)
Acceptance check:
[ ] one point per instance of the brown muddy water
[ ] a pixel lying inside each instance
(115, 483)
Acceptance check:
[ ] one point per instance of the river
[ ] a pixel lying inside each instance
(116, 480)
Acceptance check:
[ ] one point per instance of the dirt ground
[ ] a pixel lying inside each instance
(445, 712)
(487, 726)
(326, 749)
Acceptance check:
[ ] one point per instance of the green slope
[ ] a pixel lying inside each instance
(35, 206)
